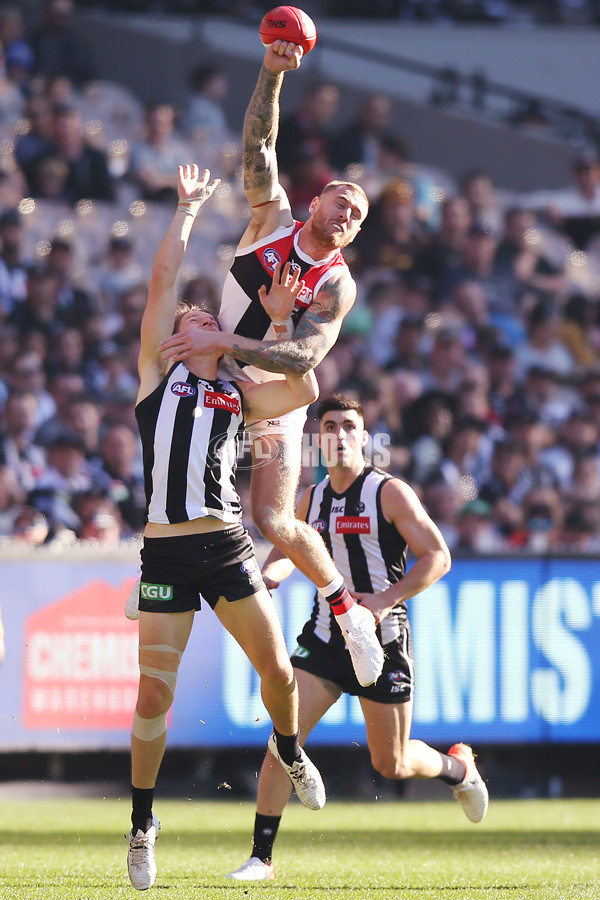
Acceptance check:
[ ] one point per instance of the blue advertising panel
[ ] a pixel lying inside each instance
(506, 650)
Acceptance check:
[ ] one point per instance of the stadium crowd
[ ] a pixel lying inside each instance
(474, 344)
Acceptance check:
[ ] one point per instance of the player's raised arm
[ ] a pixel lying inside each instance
(269, 202)
(159, 316)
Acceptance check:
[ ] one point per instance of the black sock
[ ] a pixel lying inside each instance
(265, 832)
(141, 813)
(454, 770)
(288, 747)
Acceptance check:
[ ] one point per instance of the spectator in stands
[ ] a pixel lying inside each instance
(443, 501)
(584, 485)
(17, 51)
(82, 417)
(428, 423)
(75, 305)
(17, 449)
(477, 186)
(37, 140)
(577, 434)
(477, 531)
(444, 367)
(39, 311)
(444, 254)
(575, 209)
(544, 347)
(67, 475)
(13, 267)
(58, 49)
(154, 159)
(30, 527)
(64, 386)
(27, 374)
(121, 473)
(391, 237)
(101, 528)
(542, 519)
(88, 176)
(204, 119)
(534, 437)
(520, 252)
(358, 142)
(12, 101)
(307, 132)
(117, 273)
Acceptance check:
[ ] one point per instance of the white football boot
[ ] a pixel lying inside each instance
(305, 777)
(363, 644)
(141, 862)
(471, 793)
(254, 869)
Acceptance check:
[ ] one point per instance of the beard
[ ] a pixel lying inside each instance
(334, 240)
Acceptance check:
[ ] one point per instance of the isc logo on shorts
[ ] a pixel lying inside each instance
(250, 568)
(183, 389)
(156, 591)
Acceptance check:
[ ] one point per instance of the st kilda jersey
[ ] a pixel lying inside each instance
(241, 310)
(366, 549)
(190, 430)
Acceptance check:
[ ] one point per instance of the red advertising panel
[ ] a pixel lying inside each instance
(81, 661)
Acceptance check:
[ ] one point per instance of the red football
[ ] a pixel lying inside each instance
(288, 23)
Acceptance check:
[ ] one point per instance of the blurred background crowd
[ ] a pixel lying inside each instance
(474, 344)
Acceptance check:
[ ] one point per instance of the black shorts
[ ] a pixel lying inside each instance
(394, 685)
(176, 570)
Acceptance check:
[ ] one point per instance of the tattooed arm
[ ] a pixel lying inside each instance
(269, 202)
(313, 338)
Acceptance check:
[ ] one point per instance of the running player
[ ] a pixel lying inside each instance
(367, 519)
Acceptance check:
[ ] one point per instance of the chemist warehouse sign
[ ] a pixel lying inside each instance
(505, 651)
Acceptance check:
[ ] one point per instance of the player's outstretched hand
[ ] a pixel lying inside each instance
(193, 187)
(283, 56)
(279, 301)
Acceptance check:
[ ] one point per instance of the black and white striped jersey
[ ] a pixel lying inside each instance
(367, 550)
(190, 430)
(241, 311)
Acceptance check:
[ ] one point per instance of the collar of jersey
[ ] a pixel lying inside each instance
(308, 259)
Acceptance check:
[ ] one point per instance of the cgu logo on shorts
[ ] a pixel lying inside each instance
(216, 400)
(183, 389)
(156, 591)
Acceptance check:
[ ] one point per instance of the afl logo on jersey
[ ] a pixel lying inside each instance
(270, 258)
(319, 525)
(183, 389)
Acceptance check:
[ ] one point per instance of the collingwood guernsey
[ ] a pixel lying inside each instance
(191, 430)
(366, 549)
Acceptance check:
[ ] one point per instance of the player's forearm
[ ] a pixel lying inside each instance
(169, 256)
(277, 566)
(261, 124)
(284, 357)
(424, 572)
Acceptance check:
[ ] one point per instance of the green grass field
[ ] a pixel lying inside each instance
(525, 850)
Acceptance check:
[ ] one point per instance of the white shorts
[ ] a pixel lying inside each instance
(290, 425)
